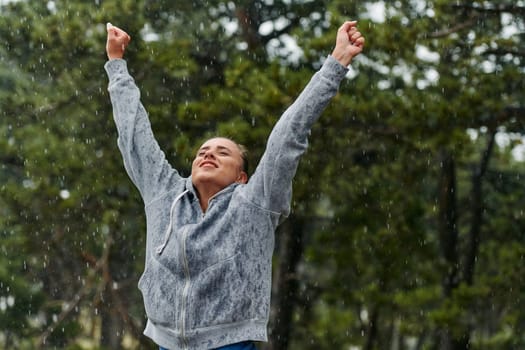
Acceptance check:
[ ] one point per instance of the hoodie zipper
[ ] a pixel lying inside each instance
(185, 291)
(187, 284)
(185, 264)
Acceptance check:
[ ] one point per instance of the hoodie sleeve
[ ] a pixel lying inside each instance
(270, 187)
(144, 161)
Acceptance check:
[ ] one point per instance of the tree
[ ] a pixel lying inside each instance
(421, 127)
(406, 229)
(65, 206)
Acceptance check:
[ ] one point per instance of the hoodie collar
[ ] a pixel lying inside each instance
(191, 189)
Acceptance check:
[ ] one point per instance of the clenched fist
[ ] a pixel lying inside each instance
(117, 42)
(348, 44)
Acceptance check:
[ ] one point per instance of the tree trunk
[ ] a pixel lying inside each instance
(448, 230)
(463, 341)
(372, 330)
(285, 283)
(448, 236)
(111, 331)
(477, 211)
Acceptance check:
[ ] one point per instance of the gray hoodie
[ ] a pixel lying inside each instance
(207, 277)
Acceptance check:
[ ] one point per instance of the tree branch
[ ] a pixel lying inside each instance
(457, 28)
(79, 296)
(71, 305)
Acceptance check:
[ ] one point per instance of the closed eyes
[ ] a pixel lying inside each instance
(223, 151)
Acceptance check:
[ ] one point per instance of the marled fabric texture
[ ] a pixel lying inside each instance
(210, 285)
(247, 345)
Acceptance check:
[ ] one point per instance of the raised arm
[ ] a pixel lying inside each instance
(271, 185)
(144, 161)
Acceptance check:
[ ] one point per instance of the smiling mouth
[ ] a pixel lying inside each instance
(203, 164)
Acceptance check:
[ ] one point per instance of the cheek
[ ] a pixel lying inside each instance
(194, 166)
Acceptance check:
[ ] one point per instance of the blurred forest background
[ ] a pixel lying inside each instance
(408, 224)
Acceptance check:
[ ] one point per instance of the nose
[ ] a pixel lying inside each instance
(209, 154)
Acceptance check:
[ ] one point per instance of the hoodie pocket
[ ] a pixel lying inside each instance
(222, 295)
(160, 290)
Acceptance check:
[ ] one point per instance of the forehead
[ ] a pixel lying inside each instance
(220, 142)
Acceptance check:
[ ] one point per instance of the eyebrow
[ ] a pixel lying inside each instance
(204, 148)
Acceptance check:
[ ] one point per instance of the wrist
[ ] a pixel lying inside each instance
(115, 55)
(343, 59)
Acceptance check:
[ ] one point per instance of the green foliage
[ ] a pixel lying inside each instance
(373, 273)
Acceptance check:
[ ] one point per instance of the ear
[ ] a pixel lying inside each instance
(242, 178)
